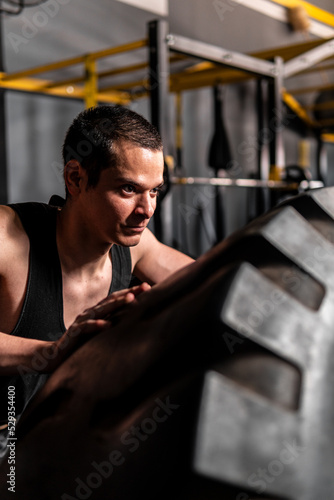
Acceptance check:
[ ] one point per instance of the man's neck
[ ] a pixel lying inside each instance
(79, 252)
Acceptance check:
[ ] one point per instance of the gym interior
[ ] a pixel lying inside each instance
(242, 94)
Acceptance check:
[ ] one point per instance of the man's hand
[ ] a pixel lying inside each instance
(93, 321)
(21, 355)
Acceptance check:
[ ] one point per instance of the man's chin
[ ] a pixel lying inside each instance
(129, 241)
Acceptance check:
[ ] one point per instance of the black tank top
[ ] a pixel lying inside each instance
(42, 313)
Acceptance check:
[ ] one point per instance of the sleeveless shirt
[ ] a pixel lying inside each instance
(42, 313)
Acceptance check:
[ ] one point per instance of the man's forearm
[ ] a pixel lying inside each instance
(19, 355)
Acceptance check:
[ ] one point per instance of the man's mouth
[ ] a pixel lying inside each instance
(136, 229)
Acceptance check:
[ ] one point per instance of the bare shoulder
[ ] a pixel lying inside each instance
(154, 261)
(147, 240)
(13, 238)
(10, 224)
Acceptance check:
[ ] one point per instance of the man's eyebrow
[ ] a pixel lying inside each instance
(126, 180)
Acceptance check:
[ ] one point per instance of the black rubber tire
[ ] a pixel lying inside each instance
(217, 384)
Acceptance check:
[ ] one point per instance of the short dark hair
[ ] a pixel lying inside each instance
(93, 132)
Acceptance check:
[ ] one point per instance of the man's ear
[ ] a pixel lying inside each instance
(74, 177)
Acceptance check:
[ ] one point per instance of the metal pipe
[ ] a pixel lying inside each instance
(247, 183)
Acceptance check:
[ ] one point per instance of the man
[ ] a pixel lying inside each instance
(56, 262)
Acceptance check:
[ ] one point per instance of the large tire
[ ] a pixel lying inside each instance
(217, 384)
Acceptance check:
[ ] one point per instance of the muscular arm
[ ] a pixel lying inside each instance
(19, 355)
(14, 254)
(22, 355)
(153, 261)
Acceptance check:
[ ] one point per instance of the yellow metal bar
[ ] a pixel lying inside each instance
(133, 67)
(206, 73)
(40, 86)
(124, 69)
(119, 49)
(90, 83)
(103, 74)
(190, 81)
(114, 97)
(75, 60)
(298, 109)
(108, 73)
(314, 12)
(327, 137)
(275, 173)
(197, 76)
(183, 81)
(286, 52)
(44, 69)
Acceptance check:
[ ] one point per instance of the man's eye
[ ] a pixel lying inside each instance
(128, 189)
(156, 190)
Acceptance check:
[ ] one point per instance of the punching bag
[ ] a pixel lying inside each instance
(219, 156)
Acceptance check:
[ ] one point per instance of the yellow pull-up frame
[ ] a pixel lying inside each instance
(84, 87)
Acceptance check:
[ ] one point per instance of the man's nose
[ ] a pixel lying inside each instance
(146, 205)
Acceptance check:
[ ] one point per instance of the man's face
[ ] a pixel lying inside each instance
(125, 198)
